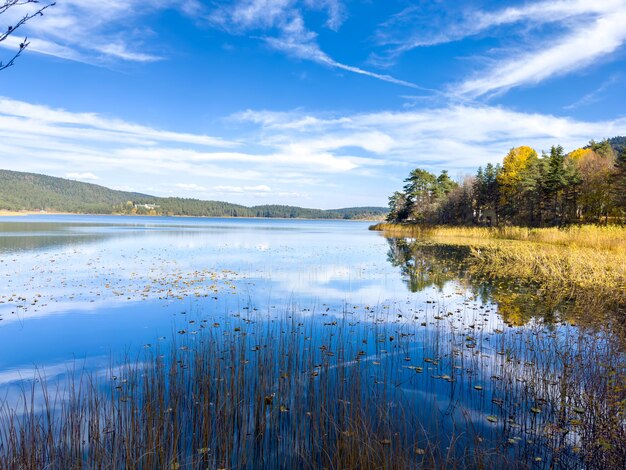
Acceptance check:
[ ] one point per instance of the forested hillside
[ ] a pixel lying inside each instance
(29, 191)
(33, 192)
(586, 185)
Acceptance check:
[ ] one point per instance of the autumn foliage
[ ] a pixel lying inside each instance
(587, 185)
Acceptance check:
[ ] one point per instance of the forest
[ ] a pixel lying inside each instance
(586, 185)
(33, 192)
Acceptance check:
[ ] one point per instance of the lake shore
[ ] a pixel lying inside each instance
(575, 261)
(6, 213)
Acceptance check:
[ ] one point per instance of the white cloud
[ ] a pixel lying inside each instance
(419, 26)
(283, 27)
(82, 176)
(262, 188)
(283, 154)
(41, 121)
(577, 50)
(191, 187)
(336, 11)
(93, 31)
(594, 96)
(583, 32)
(455, 137)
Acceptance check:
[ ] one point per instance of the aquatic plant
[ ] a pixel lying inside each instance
(261, 390)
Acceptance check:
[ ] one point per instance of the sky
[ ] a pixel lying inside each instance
(315, 103)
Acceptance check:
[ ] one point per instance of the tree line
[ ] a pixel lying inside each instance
(587, 185)
(33, 192)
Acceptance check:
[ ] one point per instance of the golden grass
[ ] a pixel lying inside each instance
(589, 259)
(612, 238)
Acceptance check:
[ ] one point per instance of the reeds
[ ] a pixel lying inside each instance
(349, 391)
(578, 261)
(606, 238)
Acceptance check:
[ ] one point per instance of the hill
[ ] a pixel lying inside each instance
(33, 192)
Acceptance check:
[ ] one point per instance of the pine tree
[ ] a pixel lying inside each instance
(619, 182)
(554, 182)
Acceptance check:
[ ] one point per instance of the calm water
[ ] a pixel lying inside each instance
(80, 292)
(80, 289)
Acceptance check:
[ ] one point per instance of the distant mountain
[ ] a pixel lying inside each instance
(33, 192)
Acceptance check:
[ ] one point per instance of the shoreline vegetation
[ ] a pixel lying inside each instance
(574, 262)
(555, 220)
(28, 213)
(585, 186)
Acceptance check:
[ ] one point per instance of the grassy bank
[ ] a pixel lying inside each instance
(575, 261)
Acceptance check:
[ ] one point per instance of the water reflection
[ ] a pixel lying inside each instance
(424, 264)
(435, 349)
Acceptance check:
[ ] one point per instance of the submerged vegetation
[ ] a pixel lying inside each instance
(471, 371)
(279, 391)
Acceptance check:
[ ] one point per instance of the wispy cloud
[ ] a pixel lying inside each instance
(596, 94)
(281, 24)
(43, 121)
(259, 189)
(584, 46)
(94, 31)
(82, 176)
(454, 137)
(122, 153)
(284, 154)
(583, 32)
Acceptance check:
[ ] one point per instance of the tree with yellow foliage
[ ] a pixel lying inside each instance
(594, 192)
(517, 179)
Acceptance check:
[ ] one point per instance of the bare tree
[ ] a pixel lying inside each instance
(6, 5)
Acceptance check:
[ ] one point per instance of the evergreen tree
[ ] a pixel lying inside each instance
(480, 198)
(420, 191)
(444, 186)
(555, 181)
(399, 207)
(619, 182)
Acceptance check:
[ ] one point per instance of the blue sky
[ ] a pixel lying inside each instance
(317, 103)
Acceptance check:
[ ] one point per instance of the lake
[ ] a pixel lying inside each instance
(451, 367)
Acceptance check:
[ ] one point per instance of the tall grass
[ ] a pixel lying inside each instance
(587, 261)
(292, 392)
(605, 238)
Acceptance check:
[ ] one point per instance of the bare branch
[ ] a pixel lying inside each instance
(4, 6)
(10, 63)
